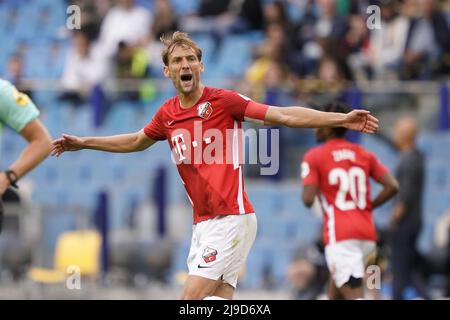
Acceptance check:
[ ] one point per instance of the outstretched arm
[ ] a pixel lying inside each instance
(300, 117)
(130, 142)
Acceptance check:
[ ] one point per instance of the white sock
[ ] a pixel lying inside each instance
(214, 298)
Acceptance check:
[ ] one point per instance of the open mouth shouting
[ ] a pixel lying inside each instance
(186, 80)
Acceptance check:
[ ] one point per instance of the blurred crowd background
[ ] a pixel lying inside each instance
(105, 78)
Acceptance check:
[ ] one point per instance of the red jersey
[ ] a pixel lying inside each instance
(341, 170)
(206, 146)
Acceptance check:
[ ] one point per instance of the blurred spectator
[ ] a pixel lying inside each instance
(329, 70)
(388, 43)
(14, 74)
(131, 63)
(308, 272)
(406, 218)
(327, 85)
(165, 21)
(213, 18)
(125, 22)
(250, 15)
(84, 68)
(93, 12)
(356, 7)
(317, 34)
(268, 54)
(358, 40)
(330, 24)
(428, 45)
(218, 18)
(276, 12)
(275, 76)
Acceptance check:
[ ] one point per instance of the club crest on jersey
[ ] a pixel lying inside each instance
(209, 254)
(204, 110)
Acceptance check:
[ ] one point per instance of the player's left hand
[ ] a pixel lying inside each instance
(361, 120)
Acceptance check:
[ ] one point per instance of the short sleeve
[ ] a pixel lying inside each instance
(309, 170)
(243, 108)
(16, 108)
(155, 128)
(377, 169)
(235, 104)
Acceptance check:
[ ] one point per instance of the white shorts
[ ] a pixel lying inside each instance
(348, 258)
(220, 247)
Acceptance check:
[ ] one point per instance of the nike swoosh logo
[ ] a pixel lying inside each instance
(169, 123)
(200, 266)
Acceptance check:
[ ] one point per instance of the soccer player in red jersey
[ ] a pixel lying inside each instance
(204, 118)
(338, 173)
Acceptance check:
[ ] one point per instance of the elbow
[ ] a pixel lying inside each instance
(394, 186)
(396, 189)
(138, 144)
(47, 144)
(44, 142)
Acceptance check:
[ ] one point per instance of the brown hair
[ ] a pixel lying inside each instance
(178, 39)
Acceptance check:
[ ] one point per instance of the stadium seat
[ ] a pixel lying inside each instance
(76, 253)
(185, 7)
(280, 263)
(74, 248)
(179, 268)
(257, 272)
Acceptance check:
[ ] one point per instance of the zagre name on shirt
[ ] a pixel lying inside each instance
(343, 154)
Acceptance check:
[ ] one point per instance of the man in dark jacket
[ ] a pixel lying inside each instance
(406, 218)
(428, 43)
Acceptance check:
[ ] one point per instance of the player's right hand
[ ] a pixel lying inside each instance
(66, 143)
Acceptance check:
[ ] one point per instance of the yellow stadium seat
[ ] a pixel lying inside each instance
(80, 249)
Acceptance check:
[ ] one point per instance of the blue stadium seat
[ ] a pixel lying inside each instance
(258, 266)
(230, 64)
(281, 258)
(179, 258)
(121, 118)
(53, 225)
(185, 7)
(273, 227)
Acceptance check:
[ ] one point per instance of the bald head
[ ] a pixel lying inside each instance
(405, 132)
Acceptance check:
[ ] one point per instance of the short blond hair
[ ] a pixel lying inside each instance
(178, 38)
